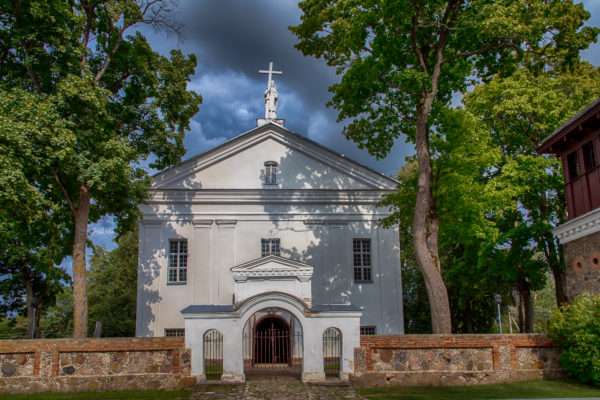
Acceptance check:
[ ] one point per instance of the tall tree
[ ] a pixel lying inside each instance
(117, 101)
(401, 61)
(467, 196)
(520, 111)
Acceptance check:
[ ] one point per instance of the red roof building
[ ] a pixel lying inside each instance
(577, 143)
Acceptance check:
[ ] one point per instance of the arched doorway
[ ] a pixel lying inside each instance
(272, 343)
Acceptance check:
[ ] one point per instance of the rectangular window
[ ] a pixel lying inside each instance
(367, 330)
(573, 165)
(270, 247)
(361, 251)
(270, 173)
(178, 258)
(589, 156)
(174, 332)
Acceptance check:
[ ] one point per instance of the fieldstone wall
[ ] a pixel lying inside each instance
(67, 365)
(454, 359)
(582, 258)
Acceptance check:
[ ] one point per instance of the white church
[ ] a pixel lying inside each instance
(265, 252)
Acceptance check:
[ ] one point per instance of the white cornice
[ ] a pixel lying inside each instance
(258, 196)
(581, 226)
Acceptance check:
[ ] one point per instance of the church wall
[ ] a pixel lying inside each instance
(321, 239)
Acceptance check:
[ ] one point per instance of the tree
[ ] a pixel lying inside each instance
(402, 60)
(520, 111)
(117, 102)
(467, 196)
(33, 233)
(112, 281)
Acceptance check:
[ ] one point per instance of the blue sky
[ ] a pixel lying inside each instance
(232, 40)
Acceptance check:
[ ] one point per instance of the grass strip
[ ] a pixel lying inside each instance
(520, 390)
(126, 395)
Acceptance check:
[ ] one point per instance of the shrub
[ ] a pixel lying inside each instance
(575, 329)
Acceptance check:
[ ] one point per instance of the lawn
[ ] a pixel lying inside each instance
(150, 395)
(521, 390)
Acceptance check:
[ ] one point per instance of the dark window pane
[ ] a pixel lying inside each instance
(573, 165)
(589, 156)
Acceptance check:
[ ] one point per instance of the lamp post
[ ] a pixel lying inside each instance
(34, 304)
(498, 299)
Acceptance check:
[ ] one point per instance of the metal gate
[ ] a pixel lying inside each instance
(332, 352)
(213, 354)
(272, 346)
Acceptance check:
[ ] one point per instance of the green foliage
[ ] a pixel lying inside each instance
(112, 287)
(14, 328)
(391, 52)
(57, 320)
(83, 105)
(575, 329)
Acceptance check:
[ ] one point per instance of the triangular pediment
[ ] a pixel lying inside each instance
(272, 267)
(302, 164)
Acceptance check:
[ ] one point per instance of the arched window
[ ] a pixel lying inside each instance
(270, 173)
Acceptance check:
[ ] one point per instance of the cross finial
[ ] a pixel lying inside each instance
(270, 72)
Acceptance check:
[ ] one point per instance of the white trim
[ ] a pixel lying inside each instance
(265, 196)
(581, 226)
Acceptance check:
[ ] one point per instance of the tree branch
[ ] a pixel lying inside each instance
(63, 189)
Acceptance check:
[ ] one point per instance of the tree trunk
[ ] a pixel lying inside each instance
(527, 325)
(80, 311)
(426, 227)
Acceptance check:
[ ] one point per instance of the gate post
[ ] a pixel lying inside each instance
(233, 354)
(312, 366)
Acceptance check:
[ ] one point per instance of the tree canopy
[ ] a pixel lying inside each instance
(401, 61)
(112, 103)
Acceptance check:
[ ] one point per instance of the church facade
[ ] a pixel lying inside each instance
(268, 232)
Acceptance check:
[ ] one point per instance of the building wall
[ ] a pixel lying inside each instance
(221, 241)
(582, 259)
(422, 360)
(67, 365)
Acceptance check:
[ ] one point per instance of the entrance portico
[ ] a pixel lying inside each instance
(300, 325)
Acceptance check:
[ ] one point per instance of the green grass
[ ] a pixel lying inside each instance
(150, 395)
(521, 390)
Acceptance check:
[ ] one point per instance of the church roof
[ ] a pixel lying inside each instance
(301, 143)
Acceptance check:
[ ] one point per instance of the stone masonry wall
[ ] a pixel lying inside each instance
(67, 365)
(582, 258)
(453, 359)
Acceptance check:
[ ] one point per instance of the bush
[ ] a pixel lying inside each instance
(575, 329)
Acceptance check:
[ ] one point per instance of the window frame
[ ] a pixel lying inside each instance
(365, 272)
(270, 242)
(180, 257)
(365, 330)
(271, 172)
(174, 332)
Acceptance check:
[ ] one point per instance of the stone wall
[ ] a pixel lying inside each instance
(67, 365)
(454, 359)
(582, 258)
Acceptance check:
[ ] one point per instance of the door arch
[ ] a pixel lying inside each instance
(272, 343)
